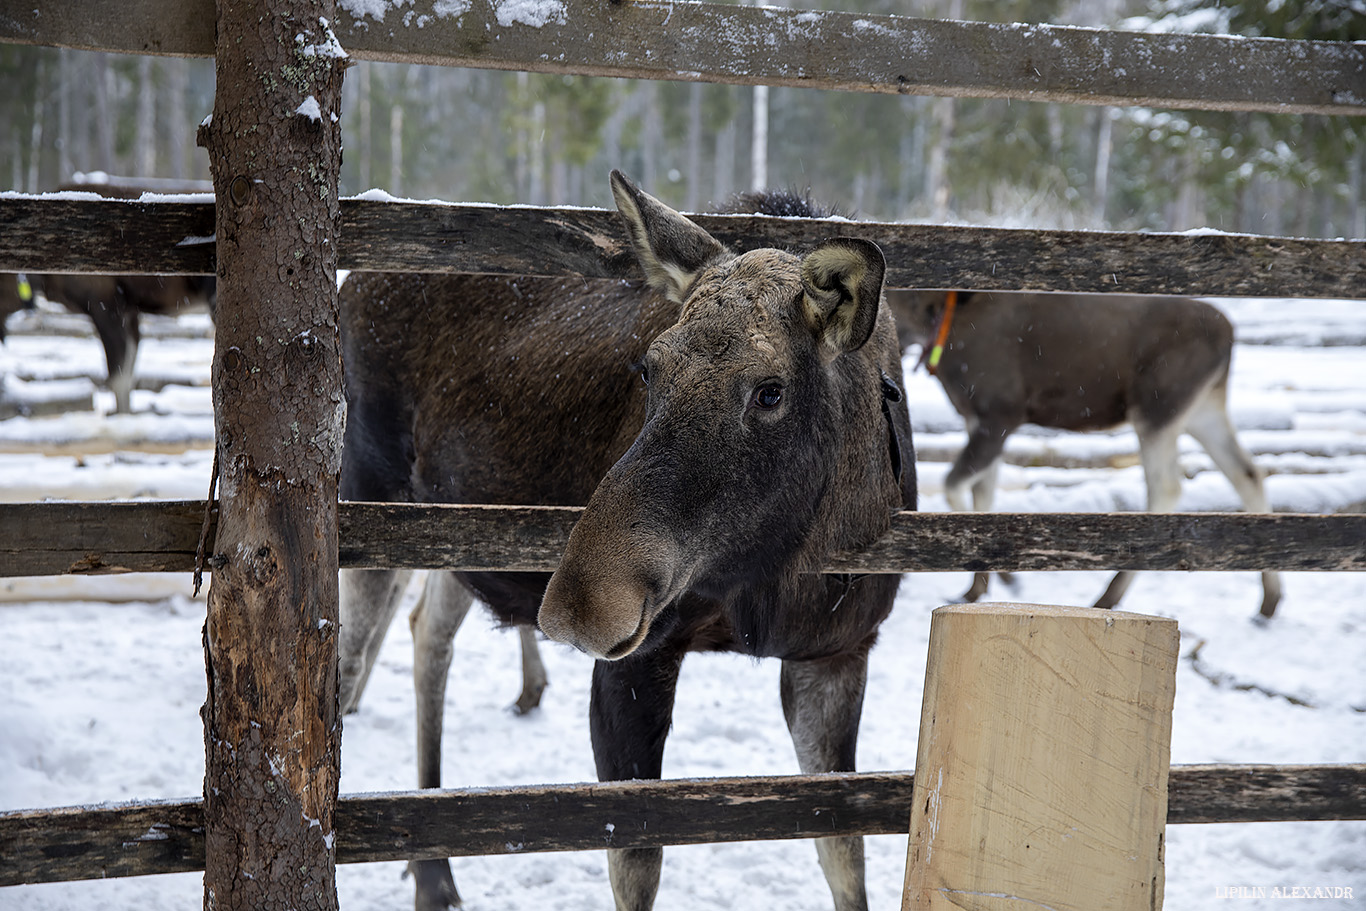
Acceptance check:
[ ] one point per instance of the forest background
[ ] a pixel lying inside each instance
(489, 136)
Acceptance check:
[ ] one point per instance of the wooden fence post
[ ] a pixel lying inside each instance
(1041, 772)
(272, 730)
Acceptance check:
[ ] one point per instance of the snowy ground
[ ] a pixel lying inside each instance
(99, 701)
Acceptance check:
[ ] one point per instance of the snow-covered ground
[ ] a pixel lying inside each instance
(99, 701)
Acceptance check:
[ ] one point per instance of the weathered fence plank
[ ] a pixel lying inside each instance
(167, 836)
(1264, 793)
(656, 39)
(124, 237)
(111, 537)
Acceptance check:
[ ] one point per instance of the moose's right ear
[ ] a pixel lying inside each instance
(670, 248)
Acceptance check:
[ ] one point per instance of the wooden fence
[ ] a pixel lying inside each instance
(677, 41)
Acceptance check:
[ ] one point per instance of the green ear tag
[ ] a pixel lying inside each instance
(25, 289)
(935, 353)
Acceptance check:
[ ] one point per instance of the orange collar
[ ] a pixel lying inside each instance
(941, 334)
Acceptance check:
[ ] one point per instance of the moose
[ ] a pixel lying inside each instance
(113, 303)
(1083, 362)
(729, 423)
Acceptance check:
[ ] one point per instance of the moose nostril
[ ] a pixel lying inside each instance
(632, 642)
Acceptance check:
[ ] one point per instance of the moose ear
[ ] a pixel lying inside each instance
(671, 250)
(842, 286)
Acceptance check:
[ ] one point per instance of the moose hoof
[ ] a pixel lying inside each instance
(435, 885)
(529, 699)
(978, 588)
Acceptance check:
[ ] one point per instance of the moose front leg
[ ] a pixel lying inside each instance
(822, 701)
(434, 621)
(629, 713)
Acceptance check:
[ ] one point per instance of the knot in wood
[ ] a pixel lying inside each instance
(239, 190)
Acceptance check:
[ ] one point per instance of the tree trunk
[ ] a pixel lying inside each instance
(402, 91)
(1100, 184)
(693, 201)
(1356, 209)
(177, 125)
(364, 148)
(271, 726)
(723, 168)
(104, 118)
(35, 154)
(66, 98)
(937, 168)
(145, 130)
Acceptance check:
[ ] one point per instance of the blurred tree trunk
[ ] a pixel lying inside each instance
(537, 193)
(404, 80)
(942, 118)
(35, 153)
(1100, 183)
(1356, 208)
(758, 140)
(693, 200)
(104, 122)
(176, 71)
(723, 171)
(66, 98)
(145, 127)
(910, 155)
(272, 731)
(652, 122)
(364, 151)
(936, 168)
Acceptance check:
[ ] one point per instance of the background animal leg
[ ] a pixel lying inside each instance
(369, 598)
(121, 378)
(534, 678)
(1210, 426)
(983, 495)
(116, 323)
(976, 466)
(629, 711)
(1162, 473)
(440, 610)
(822, 701)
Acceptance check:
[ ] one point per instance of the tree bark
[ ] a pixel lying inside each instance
(271, 725)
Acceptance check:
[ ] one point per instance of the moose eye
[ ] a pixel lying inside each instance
(639, 367)
(768, 396)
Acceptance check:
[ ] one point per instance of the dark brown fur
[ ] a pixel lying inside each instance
(479, 389)
(114, 304)
(1085, 362)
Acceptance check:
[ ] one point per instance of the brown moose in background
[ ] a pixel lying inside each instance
(115, 304)
(1084, 362)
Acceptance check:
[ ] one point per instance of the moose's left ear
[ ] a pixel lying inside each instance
(842, 285)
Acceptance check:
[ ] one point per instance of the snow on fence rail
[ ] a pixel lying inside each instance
(679, 41)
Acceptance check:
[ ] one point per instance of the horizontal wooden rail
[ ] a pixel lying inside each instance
(667, 39)
(112, 537)
(167, 836)
(122, 237)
